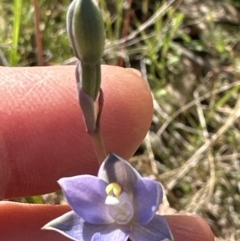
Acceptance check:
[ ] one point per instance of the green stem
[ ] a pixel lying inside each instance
(16, 28)
(96, 136)
(97, 141)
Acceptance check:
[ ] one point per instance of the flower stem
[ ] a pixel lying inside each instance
(99, 145)
(96, 136)
(92, 111)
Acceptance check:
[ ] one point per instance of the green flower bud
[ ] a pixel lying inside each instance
(86, 30)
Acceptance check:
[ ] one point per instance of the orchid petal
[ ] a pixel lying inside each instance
(73, 227)
(156, 230)
(114, 232)
(116, 169)
(86, 195)
(147, 196)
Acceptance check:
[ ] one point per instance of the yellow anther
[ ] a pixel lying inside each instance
(113, 189)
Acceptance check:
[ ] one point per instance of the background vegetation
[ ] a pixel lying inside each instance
(189, 52)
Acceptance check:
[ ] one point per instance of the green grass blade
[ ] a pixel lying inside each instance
(35, 199)
(14, 56)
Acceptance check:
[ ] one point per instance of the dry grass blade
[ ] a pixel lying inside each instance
(144, 26)
(38, 34)
(205, 193)
(192, 103)
(193, 160)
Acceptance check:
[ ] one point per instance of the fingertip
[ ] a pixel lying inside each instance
(189, 228)
(135, 71)
(125, 89)
(24, 222)
(42, 134)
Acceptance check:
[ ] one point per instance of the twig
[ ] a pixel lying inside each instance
(125, 30)
(3, 60)
(150, 154)
(38, 34)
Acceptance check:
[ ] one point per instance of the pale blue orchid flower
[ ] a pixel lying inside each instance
(116, 205)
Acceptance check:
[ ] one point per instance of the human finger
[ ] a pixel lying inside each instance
(23, 222)
(42, 134)
(189, 228)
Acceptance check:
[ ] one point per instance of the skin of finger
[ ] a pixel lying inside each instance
(42, 133)
(189, 228)
(23, 222)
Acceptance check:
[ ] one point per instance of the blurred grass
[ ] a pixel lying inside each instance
(14, 57)
(189, 53)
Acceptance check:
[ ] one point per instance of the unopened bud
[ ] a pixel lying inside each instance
(86, 31)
